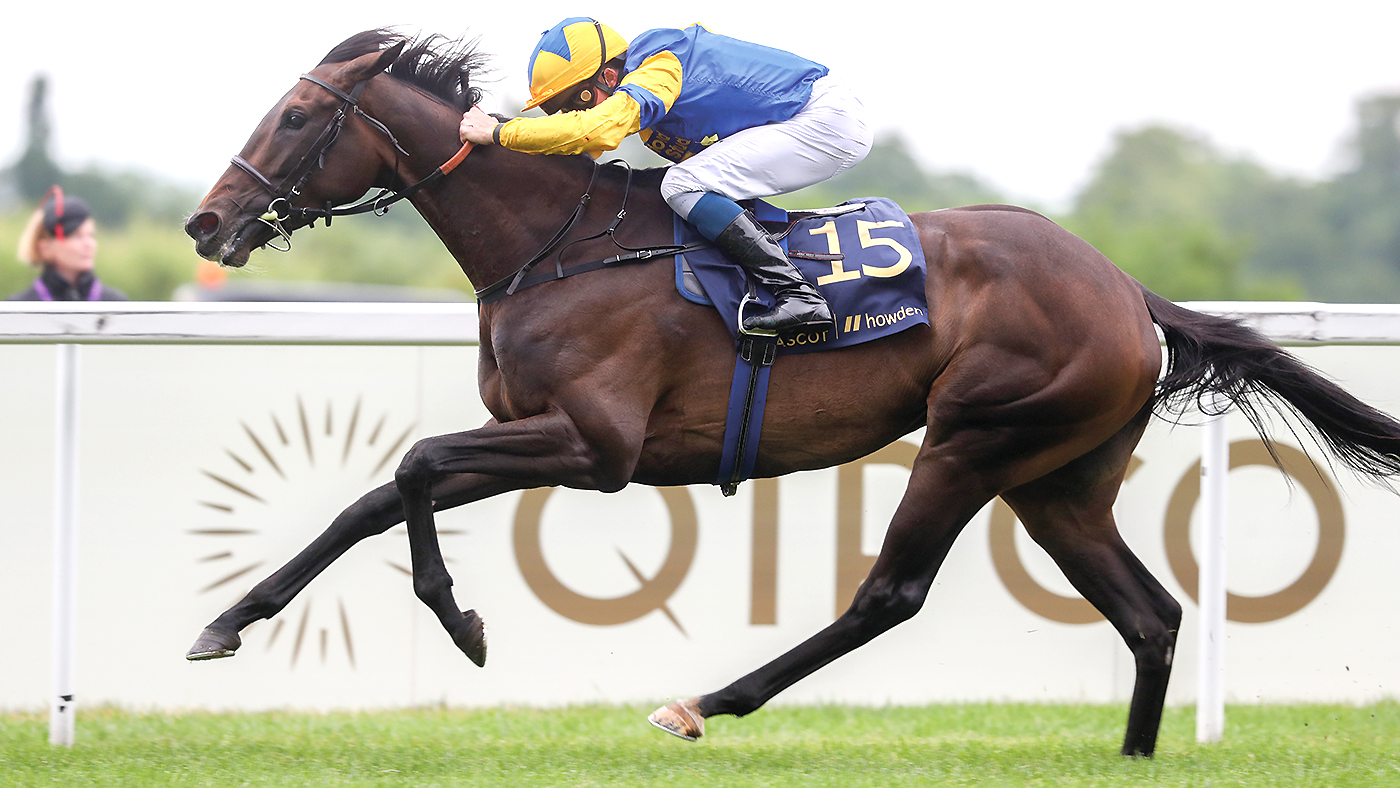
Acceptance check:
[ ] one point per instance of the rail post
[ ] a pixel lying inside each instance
(65, 548)
(1215, 471)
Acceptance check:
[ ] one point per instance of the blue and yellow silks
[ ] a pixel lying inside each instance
(682, 90)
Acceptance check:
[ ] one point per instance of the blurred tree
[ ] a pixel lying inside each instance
(890, 170)
(1181, 258)
(1375, 171)
(1365, 199)
(35, 170)
(114, 197)
(1159, 206)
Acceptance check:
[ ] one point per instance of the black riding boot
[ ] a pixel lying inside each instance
(799, 305)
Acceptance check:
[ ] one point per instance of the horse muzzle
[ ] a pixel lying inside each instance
(204, 227)
(215, 240)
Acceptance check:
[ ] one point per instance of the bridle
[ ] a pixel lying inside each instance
(281, 209)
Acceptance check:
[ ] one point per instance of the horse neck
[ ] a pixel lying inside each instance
(497, 208)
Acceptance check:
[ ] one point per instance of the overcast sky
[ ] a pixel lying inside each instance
(1025, 95)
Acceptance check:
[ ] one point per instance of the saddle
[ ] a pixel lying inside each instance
(864, 257)
(689, 284)
(875, 290)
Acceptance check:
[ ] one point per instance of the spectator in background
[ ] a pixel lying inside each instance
(61, 238)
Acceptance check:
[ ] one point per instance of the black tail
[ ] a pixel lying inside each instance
(1215, 355)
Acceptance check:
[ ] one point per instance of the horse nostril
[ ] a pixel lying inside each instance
(203, 225)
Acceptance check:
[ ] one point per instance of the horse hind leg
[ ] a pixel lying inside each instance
(941, 498)
(981, 441)
(1069, 513)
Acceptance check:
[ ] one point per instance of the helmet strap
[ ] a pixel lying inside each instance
(602, 51)
(586, 95)
(597, 81)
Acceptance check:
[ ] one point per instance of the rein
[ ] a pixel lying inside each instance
(281, 208)
(524, 278)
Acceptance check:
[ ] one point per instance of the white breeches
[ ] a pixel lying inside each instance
(825, 138)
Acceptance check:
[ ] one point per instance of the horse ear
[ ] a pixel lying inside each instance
(388, 56)
(368, 66)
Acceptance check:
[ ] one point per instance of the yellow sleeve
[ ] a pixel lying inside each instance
(659, 75)
(596, 129)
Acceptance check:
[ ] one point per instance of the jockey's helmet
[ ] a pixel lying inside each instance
(569, 53)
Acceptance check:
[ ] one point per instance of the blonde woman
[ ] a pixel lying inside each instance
(61, 239)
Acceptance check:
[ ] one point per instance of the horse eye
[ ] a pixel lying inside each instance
(295, 121)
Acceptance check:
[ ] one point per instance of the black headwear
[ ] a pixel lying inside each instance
(63, 215)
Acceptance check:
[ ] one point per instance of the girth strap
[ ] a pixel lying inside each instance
(748, 397)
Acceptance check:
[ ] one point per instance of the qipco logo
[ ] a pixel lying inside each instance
(853, 563)
(1176, 534)
(652, 593)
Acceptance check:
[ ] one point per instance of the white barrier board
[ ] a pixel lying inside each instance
(203, 468)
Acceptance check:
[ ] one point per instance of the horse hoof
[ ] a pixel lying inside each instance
(470, 637)
(213, 644)
(679, 719)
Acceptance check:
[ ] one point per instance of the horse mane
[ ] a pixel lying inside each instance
(436, 64)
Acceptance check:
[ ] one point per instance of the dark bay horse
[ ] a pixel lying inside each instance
(1035, 380)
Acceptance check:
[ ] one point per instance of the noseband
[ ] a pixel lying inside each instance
(281, 209)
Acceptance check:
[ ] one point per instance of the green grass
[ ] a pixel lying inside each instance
(1000, 744)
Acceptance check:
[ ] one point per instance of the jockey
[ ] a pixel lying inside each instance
(739, 120)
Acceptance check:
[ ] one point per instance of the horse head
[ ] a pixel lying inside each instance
(285, 167)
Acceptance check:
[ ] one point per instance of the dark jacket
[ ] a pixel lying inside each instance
(60, 289)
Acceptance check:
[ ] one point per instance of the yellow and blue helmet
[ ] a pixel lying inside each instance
(569, 53)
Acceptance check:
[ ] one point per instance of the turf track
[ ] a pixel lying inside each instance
(1000, 744)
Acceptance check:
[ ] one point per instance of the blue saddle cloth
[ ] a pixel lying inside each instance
(876, 289)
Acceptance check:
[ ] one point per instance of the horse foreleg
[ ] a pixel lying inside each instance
(373, 514)
(915, 545)
(543, 450)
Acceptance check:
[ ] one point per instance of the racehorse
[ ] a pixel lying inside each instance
(1035, 379)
